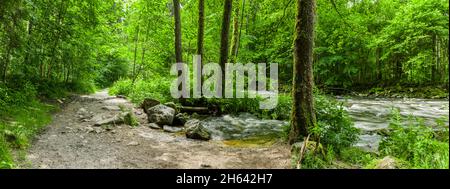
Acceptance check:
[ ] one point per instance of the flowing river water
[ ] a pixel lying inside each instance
(369, 115)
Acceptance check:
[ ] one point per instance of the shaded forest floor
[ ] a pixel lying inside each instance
(71, 141)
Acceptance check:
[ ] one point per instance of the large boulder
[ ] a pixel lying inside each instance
(161, 115)
(149, 103)
(195, 130)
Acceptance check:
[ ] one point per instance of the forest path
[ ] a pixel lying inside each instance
(71, 141)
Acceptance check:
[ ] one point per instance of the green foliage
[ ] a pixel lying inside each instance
(157, 88)
(356, 156)
(415, 143)
(381, 42)
(316, 159)
(121, 87)
(130, 119)
(334, 126)
(22, 117)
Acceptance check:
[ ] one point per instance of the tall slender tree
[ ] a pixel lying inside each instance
(200, 36)
(303, 114)
(201, 26)
(224, 46)
(178, 51)
(235, 39)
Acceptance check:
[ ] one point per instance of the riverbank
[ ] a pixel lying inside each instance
(423, 92)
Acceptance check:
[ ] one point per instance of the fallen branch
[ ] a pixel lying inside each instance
(302, 152)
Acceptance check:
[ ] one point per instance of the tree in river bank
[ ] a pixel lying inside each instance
(303, 113)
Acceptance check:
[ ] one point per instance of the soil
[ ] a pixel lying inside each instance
(72, 141)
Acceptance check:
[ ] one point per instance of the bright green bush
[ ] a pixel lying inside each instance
(416, 143)
(334, 126)
(121, 87)
(21, 117)
(157, 88)
(5, 154)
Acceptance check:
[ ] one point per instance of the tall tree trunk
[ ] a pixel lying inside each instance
(6, 64)
(27, 60)
(398, 69)
(201, 26)
(178, 47)
(58, 22)
(200, 37)
(178, 50)
(378, 63)
(434, 64)
(136, 42)
(303, 114)
(224, 39)
(240, 28)
(138, 72)
(234, 41)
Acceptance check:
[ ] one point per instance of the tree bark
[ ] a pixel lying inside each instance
(136, 42)
(378, 62)
(224, 39)
(201, 26)
(235, 39)
(303, 113)
(178, 47)
(434, 64)
(6, 64)
(178, 51)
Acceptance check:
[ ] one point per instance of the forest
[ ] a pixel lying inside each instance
(361, 84)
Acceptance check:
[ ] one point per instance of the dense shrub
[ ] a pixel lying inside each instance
(21, 117)
(157, 88)
(334, 126)
(416, 143)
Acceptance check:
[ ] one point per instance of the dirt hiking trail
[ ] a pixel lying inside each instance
(72, 141)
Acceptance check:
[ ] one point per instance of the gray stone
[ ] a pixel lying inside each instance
(149, 103)
(171, 104)
(161, 115)
(180, 119)
(154, 126)
(171, 129)
(195, 130)
(82, 113)
(116, 119)
(133, 143)
(111, 108)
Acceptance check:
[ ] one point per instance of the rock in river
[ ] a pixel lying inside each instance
(161, 115)
(195, 130)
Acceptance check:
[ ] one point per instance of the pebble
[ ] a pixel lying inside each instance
(134, 143)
